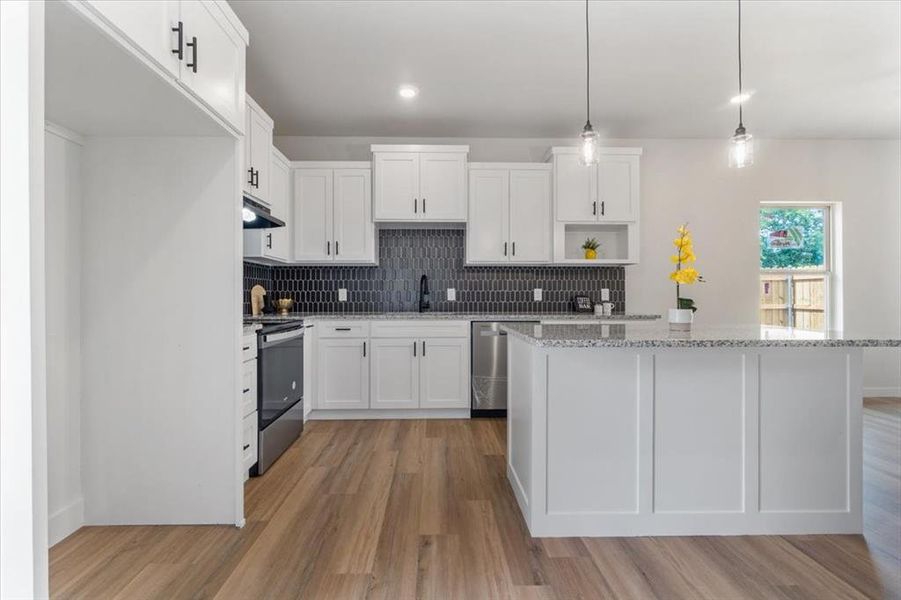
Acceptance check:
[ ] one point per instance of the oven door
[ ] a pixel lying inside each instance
(280, 367)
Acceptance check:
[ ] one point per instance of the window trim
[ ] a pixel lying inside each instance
(827, 237)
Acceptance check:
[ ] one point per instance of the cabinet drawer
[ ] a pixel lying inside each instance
(248, 387)
(343, 329)
(420, 329)
(249, 347)
(249, 440)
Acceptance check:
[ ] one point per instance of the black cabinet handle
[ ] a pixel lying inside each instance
(364, 349)
(246, 390)
(250, 176)
(337, 250)
(423, 347)
(415, 205)
(269, 240)
(246, 347)
(246, 446)
(505, 248)
(328, 248)
(594, 208)
(193, 44)
(180, 51)
(414, 348)
(602, 208)
(423, 206)
(256, 178)
(514, 248)
(342, 328)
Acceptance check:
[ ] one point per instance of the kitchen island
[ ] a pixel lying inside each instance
(632, 430)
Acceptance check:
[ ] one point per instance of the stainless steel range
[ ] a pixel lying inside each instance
(280, 390)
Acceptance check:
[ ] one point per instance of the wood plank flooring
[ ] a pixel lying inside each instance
(422, 509)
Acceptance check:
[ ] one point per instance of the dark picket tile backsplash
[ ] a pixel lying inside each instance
(406, 254)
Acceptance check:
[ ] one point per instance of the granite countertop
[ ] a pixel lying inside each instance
(384, 316)
(658, 335)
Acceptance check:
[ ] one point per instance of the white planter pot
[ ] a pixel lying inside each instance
(680, 319)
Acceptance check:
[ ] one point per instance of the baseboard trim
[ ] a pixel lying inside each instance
(882, 392)
(388, 413)
(65, 521)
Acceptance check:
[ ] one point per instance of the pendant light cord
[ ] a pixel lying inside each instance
(741, 100)
(587, 69)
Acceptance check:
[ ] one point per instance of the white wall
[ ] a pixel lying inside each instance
(62, 172)
(688, 180)
(23, 431)
(160, 331)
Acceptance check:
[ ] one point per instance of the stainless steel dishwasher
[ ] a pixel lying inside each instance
(489, 369)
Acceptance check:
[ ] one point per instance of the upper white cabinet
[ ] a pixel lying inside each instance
(257, 152)
(605, 192)
(332, 220)
(201, 43)
(419, 183)
(509, 213)
(274, 245)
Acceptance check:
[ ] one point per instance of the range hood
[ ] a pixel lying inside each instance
(257, 216)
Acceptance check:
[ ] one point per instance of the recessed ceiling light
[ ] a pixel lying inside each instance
(408, 92)
(741, 98)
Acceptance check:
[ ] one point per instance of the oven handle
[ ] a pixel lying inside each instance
(272, 339)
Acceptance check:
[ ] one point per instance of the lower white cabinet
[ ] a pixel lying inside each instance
(249, 387)
(444, 373)
(395, 373)
(249, 437)
(342, 373)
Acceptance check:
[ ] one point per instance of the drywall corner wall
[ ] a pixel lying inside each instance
(62, 176)
(161, 323)
(688, 180)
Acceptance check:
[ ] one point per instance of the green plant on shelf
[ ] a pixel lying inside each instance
(590, 246)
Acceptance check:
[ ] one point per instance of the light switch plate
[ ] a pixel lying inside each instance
(451, 294)
(536, 293)
(605, 295)
(342, 294)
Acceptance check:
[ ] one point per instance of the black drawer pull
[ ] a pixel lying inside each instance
(246, 446)
(247, 347)
(246, 390)
(342, 328)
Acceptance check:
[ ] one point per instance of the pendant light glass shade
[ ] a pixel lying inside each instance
(588, 151)
(741, 149)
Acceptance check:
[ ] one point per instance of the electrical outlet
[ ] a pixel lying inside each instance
(451, 294)
(342, 294)
(536, 293)
(605, 295)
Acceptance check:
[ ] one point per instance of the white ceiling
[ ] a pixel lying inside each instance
(819, 69)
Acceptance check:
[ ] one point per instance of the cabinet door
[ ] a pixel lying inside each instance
(395, 373)
(530, 216)
(313, 215)
(487, 236)
(218, 77)
(353, 228)
(618, 188)
(279, 238)
(575, 189)
(442, 185)
(260, 155)
(444, 373)
(148, 24)
(396, 186)
(343, 381)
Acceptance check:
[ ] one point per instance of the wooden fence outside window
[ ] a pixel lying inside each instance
(793, 301)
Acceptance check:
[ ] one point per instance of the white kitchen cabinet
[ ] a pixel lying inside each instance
(273, 245)
(395, 373)
(310, 347)
(606, 192)
(444, 373)
(510, 213)
(332, 221)
(419, 183)
(249, 440)
(342, 373)
(248, 387)
(201, 43)
(257, 152)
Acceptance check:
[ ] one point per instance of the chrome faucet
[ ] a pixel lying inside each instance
(424, 304)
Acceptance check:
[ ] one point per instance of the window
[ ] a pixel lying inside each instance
(795, 262)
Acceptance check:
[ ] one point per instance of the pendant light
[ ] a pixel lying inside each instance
(741, 146)
(588, 154)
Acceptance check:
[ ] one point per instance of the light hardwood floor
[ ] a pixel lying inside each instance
(422, 509)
